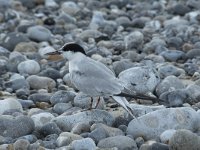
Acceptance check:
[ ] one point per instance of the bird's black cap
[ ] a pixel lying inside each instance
(74, 47)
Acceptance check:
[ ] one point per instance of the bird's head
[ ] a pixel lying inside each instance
(66, 51)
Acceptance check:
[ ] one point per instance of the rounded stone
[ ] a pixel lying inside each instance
(37, 82)
(16, 126)
(21, 144)
(184, 140)
(29, 67)
(124, 144)
(66, 123)
(62, 97)
(42, 119)
(166, 135)
(86, 143)
(8, 104)
(65, 138)
(39, 33)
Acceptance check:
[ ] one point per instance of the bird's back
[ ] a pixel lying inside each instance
(92, 77)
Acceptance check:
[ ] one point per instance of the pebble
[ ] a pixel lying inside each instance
(40, 97)
(119, 66)
(133, 40)
(124, 144)
(170, 82)
(10, 104)
(62, 97)
(21, 144)
(174, 98)
(81, 127)
(183, 140)
(140, 79)
(167, 69)
(30, 67)
(66, 123)
(39, 33)
(51, 73)
(109, 130)
(167, 135)
(50, 128)
(12, 39)
(86, 143)
(65, 138)
(173, 55)
(14, 59)
(37, 82)
(60, 108)
(154, 145)
(151, 125)
(41, 119)
(15, 127)
(70, 7)
(26, 48)
(16, 84)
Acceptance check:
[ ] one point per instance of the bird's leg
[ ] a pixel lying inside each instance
(91, 102)
(98, 100)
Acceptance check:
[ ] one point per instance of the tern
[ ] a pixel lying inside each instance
(94, 78)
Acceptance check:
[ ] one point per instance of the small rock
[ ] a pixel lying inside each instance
(174, 98)
(140, 79)
(173, 55)
(168, 69)
(39, 33)
(50, 128)
(154, 146)
(110, 130)
(28, 67)
(26, 48)
(51, 73)
(193, 53)
(21, 144)
(170, 82)
(184, 140)
(70, 7)
(16, 84)
(134, 40)
(60, 108)
(66, 123)
(42, 119)
(80, 128)
(119, 66)
(15, 127)
(14, 59)
(12, 39)
(37, 82)
(98, 134)
(65, 138)
(124, 144)
(8, 104)
(179, 9)
(40, 97)
(166, 135)
(86, 143)
(62, 97)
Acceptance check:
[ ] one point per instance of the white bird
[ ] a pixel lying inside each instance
(94, 78)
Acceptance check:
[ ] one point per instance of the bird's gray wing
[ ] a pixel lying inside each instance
(92, 77)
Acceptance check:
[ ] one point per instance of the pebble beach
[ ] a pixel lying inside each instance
(153, 46)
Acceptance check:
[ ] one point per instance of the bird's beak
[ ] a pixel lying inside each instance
(55, 56)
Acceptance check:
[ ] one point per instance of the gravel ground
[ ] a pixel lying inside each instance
(151, 45)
